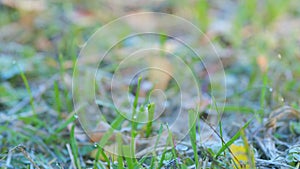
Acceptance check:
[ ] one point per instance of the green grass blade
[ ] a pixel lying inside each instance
(120, 154)
(203, 15)
(136, 98)
(100, 152)
(154, 151)
(242, 109)
(65, 124)
(74, 147)
(57, 99)
(104, 156)
(232, 140)
(129, 160)
(249, 152)
(162, 158)
(151, 109)
(170, 140)
(192, 126)
(28, 89)
(62, 72)
(115, 124)
(134, 115)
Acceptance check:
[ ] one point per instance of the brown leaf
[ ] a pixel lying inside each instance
(42, 43)
(82, 17)
(262, 62)
(285, 112)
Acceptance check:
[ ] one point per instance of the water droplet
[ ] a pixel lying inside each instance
(75, 116)
(279, 56)
(14, 62)
(181, 147)
(57, 164)
(95, 145)
(134, 117)
(271, 89)
(282, 99)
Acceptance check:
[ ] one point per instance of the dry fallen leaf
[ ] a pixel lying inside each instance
(262, 62)
(42, 43)
(240, 156)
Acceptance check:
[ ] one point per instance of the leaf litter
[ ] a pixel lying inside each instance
(274, 139)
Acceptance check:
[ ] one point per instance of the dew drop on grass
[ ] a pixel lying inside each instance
(95, 145)
(75, 116)
(181, 147)
(271, 89)
(279, 56)
(282, 99)
(134, 117)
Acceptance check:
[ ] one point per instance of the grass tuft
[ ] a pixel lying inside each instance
(24, 78)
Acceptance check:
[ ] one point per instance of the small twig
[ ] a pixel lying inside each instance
(20, 148)
(26, 155)
(71, 155)
(8, 160)
(268, 162)
(223, 141)
(280, 113)
(281, 142)
(268, 144)
(263, 148)
(205, 163)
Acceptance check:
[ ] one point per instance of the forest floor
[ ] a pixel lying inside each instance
(234, 105)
